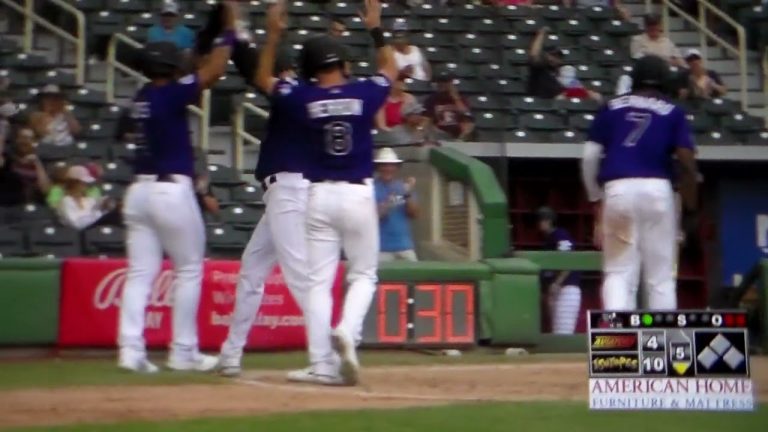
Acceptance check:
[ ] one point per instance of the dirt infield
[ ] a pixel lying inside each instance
(262, 392)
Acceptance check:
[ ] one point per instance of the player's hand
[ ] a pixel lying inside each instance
(410, 183)
(372, 15)
(277, 18)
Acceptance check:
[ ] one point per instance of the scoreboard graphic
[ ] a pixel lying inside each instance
(697, 360)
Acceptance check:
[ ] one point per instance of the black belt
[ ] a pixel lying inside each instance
(166, 178)
(268, 181)
(361, 181)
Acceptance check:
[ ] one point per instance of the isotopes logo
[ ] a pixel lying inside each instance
(615, 364)
(614, 342)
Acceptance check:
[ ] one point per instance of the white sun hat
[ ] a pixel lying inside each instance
(387, 155)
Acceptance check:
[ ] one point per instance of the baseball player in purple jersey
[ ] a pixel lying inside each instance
(628, 164)
(164, 167)
(336, 116)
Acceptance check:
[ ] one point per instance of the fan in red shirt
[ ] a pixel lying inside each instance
(448, 110)
(390, 114)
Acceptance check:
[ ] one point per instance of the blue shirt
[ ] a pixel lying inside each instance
(283, 148)
(639, 134)
(180, 35)
(394, 227)
(560, 240)
(336, 123)
(163, 142)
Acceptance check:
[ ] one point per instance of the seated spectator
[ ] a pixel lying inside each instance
(653, 41)
(698, 82)
(448, 111)
(573, 88)
(621, 11)
(7, 110)
(396, 205)
(391, 114)
(23, 178)
(58, 178)
(411, 62)
(52, 123)
(77, 209)
(543, 68)
(337, 27)
(414, 129)
(169, 29)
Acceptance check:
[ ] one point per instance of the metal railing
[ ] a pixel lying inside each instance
(203, 112)
(700, 23)
(240, 134)
(27, 9)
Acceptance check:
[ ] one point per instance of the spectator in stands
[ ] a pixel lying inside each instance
(448, 111)
(653, 41)
(391, 114)
(7, 110)
(410, 60)
(396, 205)
(22, 176)
(543, 68)
(621, 11)
(502, 3)
(57, 191)
(77, 208)
(169, 29)
(563, 292)
(337, 27)
(572, 87)
(699, 82)
(414, 128)
(52, 123)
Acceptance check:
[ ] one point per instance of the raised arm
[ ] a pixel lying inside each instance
(385, 55)
(216, 64)
(538, 43)
(276, 24)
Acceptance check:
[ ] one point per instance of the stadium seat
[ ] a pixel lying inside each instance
(568, 136)
(127, 5)
(525, 136)
(541, 121)
(528, 26)
(84, 150)
(99, 130)
(487, 102)
(701, 122)
(122, 151)
(475, 40)
(62, 79)
(493, 120)
(389, 10)
(758, 139)
(87, 96)
(428, 10)
(516, 12)
(51, 153)
(595, 42)
(224, 241)
(240, 216)
(531, 104)
(516, 56)
(590, 72)
(743, 124)
(489, 25)
(469, 10)
(220, 175)
(488, 135)
(105, 241)
(574, 27)
(477, 55)
(556, 13)
(440, 54)
(620, 28)
(599, 13)
(504, 86)
(11, 242)
(720, 107)
(581, 122)
(23, 61)
(576, 105)
(610, 57)
(491, 70)
(117, 171)
(513, 40)
(716, 138)
(112, 190)
(342, 9)
(247, 194)
(54, 241)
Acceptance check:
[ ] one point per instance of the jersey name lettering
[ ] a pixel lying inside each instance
(335, 107)
(658, 106)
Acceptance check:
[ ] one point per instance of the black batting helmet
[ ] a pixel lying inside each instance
(546, 213)
(650, 71)
(319, 53)
(160, 60)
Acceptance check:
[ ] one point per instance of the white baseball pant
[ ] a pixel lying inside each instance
(565, 307)
(279, 237)
(639, 234)
(162, 216)
(339, 215)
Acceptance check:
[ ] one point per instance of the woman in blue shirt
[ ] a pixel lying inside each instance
(396, 205)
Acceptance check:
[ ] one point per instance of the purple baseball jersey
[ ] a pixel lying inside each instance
(639, 134)
(336, 124)
(560, 240)
(163, 141)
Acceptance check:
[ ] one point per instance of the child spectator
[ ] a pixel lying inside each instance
(58, 182)
(573, 88)
(77, 209)
(396, 205)
(52, 123)
(391, 114)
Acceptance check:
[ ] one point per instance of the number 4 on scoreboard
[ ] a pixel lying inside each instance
(653, 341)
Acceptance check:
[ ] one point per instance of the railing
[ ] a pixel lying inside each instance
(203, 112)
(765, 85)
(705, 7)
(27, 9)
(240, 134)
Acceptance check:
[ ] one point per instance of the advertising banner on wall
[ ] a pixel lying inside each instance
(90, 300)
(743, 226)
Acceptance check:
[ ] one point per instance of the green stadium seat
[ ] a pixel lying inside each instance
(393, 10)
(541, 121)
(581, 122)
(11, 242)
(241, 217)
(489, 25)
(595, 42)
(610, 57)
(428, 10)
(64, 80)
(225, 241)
(526, 136)
(478, 55)
(516, 56)
(84, 150)
(440, 54)
(576, 105)
(760, 138)
(87, 96)
(470, 10)
(568, 136)
(25, 62)
(221, 175)
(462, 70)
(51, 153)
(469, 86)
(528, 26)
(574, 27)
(342, 9)
(124, 152)
(88, 5)
(720, 107)
(495, 136)
(99, 130)
(128, 5)
(104, 241)
(311, 8)
(743, 123)
(117, 171)
(247, 194)
(517, 12)
(512, 40)
(493, 120)
(474, 40)
(112, 190)
(599, 13)
(54, 241)
(716, 138)
(487, 102)
(619, 28)
(431, 39)
(504, 86)
(531, 104)
(313, 22)
(446, 24)
(590, 72)
(491, 70)
(556, 13)
(701, 122)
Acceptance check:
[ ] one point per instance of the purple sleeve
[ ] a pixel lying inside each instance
(682, 131)
(598, 131)
(377, 89)
(188, 90)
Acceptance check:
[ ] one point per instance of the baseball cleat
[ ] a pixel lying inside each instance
(308, 376)
(138, 365)
(345, 348)
(228, 367)
(197, 363)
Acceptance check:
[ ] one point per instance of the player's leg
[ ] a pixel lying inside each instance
(145, 257)
(323, 252)
(256, 263)
(621, 258)
(565, 309)
(182, 234)
(658, 247)
(360, 238)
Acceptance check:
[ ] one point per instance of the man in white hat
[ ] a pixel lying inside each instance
(396, 205)
(169, 29)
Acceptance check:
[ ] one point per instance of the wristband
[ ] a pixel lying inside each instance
(406, 196)
(226, 38)
(378, 37)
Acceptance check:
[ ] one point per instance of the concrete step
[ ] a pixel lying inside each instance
(685, 37)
